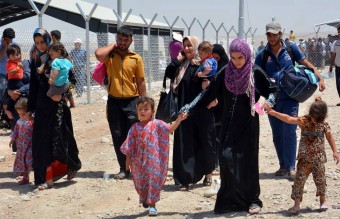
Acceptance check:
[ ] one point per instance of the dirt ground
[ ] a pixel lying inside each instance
(91, 196)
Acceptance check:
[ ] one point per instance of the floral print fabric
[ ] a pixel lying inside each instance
(148, 146)
(22, 134)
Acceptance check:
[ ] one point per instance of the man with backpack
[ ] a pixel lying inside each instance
(335, 61)
(274, 58)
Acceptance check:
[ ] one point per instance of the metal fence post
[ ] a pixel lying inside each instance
(39, 13)
(171, 26)
(228, 34)
(217, 30)
(203, 28)
(87, 23)
(149, 47)
(189, 27)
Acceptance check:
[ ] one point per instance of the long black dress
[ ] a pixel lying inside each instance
(194, 139)
(239, 167)
(52, 137)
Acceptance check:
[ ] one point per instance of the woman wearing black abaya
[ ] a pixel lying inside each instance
(193, 155)
(240, 86)
(54, 148)
(222, 59)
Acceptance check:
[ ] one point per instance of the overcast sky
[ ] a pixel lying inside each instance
(297, 15)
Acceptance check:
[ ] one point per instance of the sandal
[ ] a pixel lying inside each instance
(145, 205)
(207, 181)
(152, 211)
(323, 208)
(24, 181)
(44, 186)
(71, 174)
(293, 211)
(281, 172)
(254, 209)
(184, 188)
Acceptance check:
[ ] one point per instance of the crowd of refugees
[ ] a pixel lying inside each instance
(217, 129)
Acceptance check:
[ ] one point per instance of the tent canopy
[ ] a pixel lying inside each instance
(334, 23)
(66, 10)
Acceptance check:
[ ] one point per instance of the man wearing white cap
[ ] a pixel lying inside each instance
(273, 59)
(79, 58)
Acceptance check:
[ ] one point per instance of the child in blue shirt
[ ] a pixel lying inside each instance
(61, 66)
(208, 65)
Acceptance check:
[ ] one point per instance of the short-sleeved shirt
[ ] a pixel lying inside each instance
(79, 57)
(3, 62)
(10, 66)
(209, 63)
(63, 66)
(336, 49)
(122, 74)
(312, 142)
(284, 59)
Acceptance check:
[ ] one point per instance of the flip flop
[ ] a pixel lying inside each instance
(254, 209)
(323, 208)
(293, 211)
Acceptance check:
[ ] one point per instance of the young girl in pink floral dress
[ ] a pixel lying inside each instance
(147, 153)
(22, 135)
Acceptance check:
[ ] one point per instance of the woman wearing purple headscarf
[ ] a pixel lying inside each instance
(239, 87)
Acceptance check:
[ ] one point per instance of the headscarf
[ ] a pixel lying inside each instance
(218, 49)
(184, 65)
(240, 81)
(35, 54)
(174, 48)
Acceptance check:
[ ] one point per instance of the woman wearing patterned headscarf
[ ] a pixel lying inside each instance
(54, 148)
(193, 155)
(240, 86)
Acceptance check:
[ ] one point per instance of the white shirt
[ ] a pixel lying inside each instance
(336, 49)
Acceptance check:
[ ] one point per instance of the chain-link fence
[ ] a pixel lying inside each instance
(154, 68)
(317, 51)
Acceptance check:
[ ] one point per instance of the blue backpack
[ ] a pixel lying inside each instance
(299, 82)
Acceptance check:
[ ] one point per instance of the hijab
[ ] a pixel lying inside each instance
(241, 81)
(219, 50)
(184, 65)
(39, 57)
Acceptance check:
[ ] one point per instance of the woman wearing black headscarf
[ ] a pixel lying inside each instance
(222, 59)
(54, 148)
(220, 56)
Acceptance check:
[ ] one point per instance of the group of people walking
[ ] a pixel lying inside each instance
(220, 123)
(235, 87)
(44, 132)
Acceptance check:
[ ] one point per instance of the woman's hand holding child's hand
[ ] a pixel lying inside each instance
(182, 116)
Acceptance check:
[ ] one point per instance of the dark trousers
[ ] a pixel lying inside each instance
(121, 114)
(337, 79)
